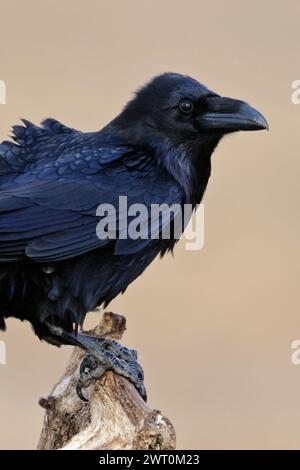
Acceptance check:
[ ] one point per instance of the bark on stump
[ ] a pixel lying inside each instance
(116, 417)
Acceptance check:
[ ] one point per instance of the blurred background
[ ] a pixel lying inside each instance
(214, 327)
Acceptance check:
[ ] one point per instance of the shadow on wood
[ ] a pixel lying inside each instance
(116, 417)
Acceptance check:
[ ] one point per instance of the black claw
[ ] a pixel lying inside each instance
(80, 394)
(143, 393)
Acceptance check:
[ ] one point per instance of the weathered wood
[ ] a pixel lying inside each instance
(116, 417)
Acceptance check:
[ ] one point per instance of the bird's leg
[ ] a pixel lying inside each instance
(103, 354)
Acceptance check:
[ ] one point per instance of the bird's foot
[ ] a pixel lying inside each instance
(110, 355)
(103, 354)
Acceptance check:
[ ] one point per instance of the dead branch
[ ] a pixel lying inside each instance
(116, 417)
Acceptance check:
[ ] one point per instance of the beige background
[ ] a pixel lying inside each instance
(213, 328)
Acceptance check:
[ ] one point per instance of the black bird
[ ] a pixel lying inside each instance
(53, 266)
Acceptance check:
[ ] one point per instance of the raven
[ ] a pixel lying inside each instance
(53, 266)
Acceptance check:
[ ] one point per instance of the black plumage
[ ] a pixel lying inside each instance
(53, 267)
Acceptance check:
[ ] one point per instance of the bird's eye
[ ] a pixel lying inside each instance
(186, 107)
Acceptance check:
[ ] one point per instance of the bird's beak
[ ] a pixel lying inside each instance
(229, 115)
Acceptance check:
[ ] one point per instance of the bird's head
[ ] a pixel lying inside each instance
(179, 108)
(182, 121)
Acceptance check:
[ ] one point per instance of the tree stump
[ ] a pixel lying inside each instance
(115, 418)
